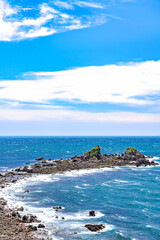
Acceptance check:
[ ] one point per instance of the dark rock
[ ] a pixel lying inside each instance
(94, 153)
(33, 219)
(26, 191)
(57, 208)
(32, 228)
(25, 218)
(92, 214)
(14, 214)
(20, 209)
(132, 154)
(13, 181)
(39, 159)
(41, 225)
(94, 227)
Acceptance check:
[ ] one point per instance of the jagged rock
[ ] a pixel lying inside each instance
(94, 227)
(94, 153)
(132, 153)
(92, 214)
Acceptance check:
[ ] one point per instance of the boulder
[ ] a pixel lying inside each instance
(32, 228)
(39, 159)
(25, 218)
(94, 227)
(92, 214)
(20, 209)
(41, 225)
(26, 191)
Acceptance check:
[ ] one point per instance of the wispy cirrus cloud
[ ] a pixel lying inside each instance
(88, 4)
(18, 23)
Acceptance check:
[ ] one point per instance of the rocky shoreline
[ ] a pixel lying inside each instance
(15, 225)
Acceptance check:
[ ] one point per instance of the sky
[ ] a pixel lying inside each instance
(88, 68)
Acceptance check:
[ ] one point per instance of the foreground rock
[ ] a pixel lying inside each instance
(12, 226)
(91, 159)
(95, 227)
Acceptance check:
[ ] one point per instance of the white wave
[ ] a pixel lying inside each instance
(120, 181)
(79, 187)
(4, 169)
(82, 215)
(156, 158)
(86, 185)
(77, 173)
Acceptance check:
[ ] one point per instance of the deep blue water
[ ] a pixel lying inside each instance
(126, 199)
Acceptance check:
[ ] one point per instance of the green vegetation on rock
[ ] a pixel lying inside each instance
(94, 153)
(130, 150)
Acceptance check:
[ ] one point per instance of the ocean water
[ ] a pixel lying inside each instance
(126, 199)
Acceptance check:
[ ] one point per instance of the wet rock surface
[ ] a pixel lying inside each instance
(92, 213)
(95, 227)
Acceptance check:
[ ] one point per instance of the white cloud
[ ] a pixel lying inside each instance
(88, 4)
(136, 84)
(46, 20)
(65, 115)
(63, 4)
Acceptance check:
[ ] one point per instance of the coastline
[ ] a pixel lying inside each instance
(12, 178)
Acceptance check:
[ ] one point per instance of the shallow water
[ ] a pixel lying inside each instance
(126, 199)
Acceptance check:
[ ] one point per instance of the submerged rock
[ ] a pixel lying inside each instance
(95, 227)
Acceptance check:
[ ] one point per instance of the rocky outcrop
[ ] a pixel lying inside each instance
(95, 227)
(90, 159)
(132, 154)
(93, 153)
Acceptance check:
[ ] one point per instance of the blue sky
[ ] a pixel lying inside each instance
(79, 67)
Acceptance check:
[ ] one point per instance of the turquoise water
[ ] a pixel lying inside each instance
(126, 199)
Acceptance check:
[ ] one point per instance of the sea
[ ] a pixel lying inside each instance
(126, 200)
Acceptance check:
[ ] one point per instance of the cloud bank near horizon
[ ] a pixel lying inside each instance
(40, 94)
